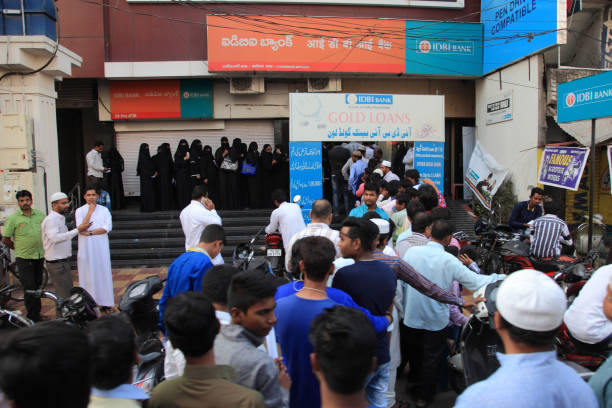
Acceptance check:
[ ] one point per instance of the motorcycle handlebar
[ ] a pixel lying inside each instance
(39, 293)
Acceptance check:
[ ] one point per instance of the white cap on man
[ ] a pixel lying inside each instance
(383, 225)
(58, 196)
(386, 163)
(530, 300)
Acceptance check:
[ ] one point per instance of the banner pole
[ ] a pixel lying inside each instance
(592, 187)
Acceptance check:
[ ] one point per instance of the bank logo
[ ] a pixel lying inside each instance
(351, 99)
(368, 99)
(185, 94)
(425, 46)
(570, 99)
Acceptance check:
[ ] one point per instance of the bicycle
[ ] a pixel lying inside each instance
(9, 318)
(9, 267)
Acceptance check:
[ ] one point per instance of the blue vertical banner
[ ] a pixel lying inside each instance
(429, 161)
(306, 174)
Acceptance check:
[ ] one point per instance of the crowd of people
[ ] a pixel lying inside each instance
(378, 299)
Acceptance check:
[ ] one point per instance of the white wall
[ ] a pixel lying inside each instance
(514, 143)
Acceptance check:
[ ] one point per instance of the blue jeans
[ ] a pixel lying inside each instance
(339, 191)
(377, 384)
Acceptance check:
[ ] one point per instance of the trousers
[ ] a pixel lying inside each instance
(30, 273)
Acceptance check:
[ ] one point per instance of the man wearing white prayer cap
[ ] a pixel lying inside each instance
(530, 308)
(388, 175)
(56, 244)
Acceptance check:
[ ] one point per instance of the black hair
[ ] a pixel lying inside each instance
(296, 257)
(216, 282)
(536, 190)
(371, 187)
(321, 209)
(112, 345)
(191, 323)
(441, 213)
(199, 191)
(46, 365)
(403, 199)
(428, 196)
(414, 174)
(370, 215)
(453, 250)
(529, 337)
(441, 229)
(364, 230)
(383, 184)
(279, 195)
(23, 193)
(345, 343)
(95, 188)
(469, 250)
(421, 221)
(250, 287)
(407, 184)
(318, 254)
(98, 143)
(414, 207)
(551, 207)
(212, 233)
(372, 163)
(393, 187)
(375, 179)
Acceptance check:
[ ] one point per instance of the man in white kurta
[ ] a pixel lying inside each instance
(93, 256)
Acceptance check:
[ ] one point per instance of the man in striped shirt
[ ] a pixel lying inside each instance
(549, 232)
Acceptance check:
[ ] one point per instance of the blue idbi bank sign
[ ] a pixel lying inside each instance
(368, 99)
(585, 98)
(517, 28)
(443, 48)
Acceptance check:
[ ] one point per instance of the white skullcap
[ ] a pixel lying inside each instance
(379, 172)
(386, 163)
(530, 300)
(383, 225)
(58, 196)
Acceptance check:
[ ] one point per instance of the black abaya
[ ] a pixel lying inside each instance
(208, 170)
(252, 158)
(165, 169)
(266, 179)
(233, 192)
(195, 178)
(181, 170)
(146, 170)
(116, 179)
(222, 176)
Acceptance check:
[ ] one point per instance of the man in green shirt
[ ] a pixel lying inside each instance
(22, 233)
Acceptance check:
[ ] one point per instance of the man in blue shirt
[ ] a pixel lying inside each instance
(427, 319)
(526, 211)
(186, 272)
(372, 284)
(530, 308)
(370, 196)
(295, 314)
(357, 170)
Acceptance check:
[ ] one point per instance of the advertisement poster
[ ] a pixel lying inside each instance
(307, 44)
(563, 166)
(306, 174)
(609, 154)
(340, 117)
(484, 175)
(429, 161)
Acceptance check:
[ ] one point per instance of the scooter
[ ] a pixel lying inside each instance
(138, 304)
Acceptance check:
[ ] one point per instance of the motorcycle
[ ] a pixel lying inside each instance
(78, 308)
(138, 304)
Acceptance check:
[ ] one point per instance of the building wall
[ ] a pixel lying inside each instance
(514, 143)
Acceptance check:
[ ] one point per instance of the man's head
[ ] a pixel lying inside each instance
(441, 213)
(199, 193)
(405, 186)
(344, 349)
(413, 207)
(442, 231)
(279, 196)
(392, 188)
(60, 203)
(356, 237)
(213, 240)
(428, 196)
(356, 155)
(536, 196)
(530, 308)
(46, 365)
(316, 255)
(216, 283)
(370, 194)
(321, 211)
(378, 154)
(91, 194)
(250, 300)
(112, 345)
(24, 200)
(385, 166)
(98, 146)
(413, 175)
(385, 228)
(551, 207)
(401, 202)
(191, 323)
(422, 223)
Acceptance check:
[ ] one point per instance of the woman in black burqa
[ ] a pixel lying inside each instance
(220, 154)
(165, 170)
(208, 170)
(181, 174)
(266, 171)
(233, 192)
(253, 181)
(147, 172)
(195, 155)
(280, 162)
(115, 178)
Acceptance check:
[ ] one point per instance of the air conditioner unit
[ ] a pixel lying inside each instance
(324, 85)
(248, 85)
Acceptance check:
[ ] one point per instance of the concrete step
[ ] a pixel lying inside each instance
(131, 215)
(175, 223)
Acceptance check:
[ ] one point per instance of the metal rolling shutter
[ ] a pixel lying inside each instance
(128, 143)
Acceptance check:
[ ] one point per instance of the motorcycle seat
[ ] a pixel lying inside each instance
(548, 265)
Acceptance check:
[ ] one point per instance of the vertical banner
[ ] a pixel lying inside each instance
(429, 161)
(306, 174)
(484, 175)
(469, 137)
(609, 154)
(563, 166)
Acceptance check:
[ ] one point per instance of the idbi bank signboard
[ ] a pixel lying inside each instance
(366, 117)
(517, 28)
(585, 98)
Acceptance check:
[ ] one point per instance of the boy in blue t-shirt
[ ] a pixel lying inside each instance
(295, 314)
